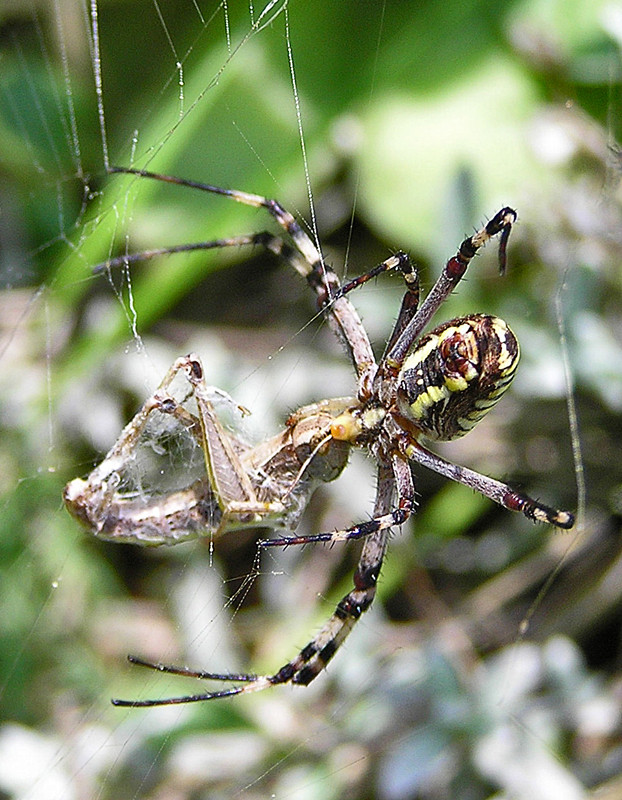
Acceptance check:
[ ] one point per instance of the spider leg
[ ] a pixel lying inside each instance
(382, 522)
(214, 244)
(396, 516)
(314, 657)
(410, 301)
(499, 492)
(188, 673)
(399, 260)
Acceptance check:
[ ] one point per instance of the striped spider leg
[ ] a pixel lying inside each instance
(433, 387)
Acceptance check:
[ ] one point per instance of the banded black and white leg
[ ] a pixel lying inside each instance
(314, 657)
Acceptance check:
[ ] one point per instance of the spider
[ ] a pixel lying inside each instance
(436, 386)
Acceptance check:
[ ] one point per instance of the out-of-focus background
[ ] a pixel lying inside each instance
(490, 664)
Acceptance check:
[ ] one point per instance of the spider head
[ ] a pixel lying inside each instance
(455, 374)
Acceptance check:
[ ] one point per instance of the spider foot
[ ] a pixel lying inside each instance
(515, 501)
(252, 683)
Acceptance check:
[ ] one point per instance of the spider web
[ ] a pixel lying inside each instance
(360, 120)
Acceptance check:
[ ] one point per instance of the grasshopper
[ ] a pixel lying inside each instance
(241, 486)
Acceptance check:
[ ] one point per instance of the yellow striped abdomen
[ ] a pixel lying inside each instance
(455, 375)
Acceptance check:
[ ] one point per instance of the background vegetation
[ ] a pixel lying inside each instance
(490, 664)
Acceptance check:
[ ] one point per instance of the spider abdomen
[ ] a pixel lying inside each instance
(455, 375)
